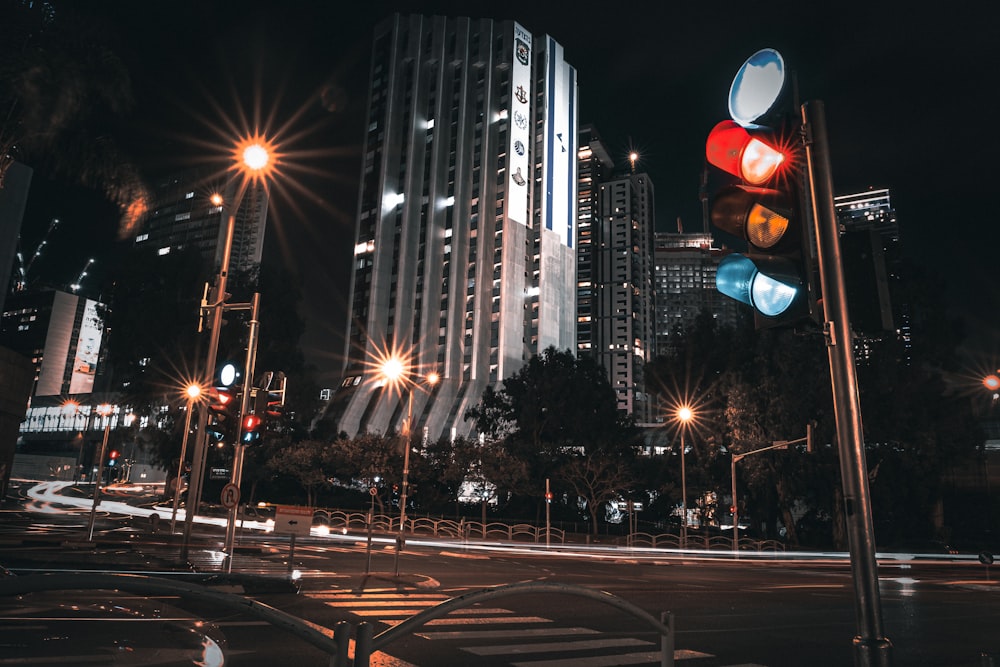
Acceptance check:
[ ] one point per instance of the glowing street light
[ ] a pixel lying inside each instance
(193, 393)
(105, 411)
(254, 160)
(395, 372)
(684, 415)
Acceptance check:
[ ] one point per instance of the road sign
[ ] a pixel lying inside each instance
(230, 496)
(373, 491)
(293, 519)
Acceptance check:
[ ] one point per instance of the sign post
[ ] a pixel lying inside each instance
(292, 520)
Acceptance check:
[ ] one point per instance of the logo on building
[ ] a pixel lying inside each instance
(521, 95)
(519, 147)
(521, 48)
(520, 120)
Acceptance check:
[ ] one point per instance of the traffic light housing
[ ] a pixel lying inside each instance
(221, 405)
(252, 427)
(112, 458)
(269, 401)
(762, 205)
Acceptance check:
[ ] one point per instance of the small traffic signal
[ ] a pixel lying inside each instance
(763, 209)
(228, 374)
(252, 427)
(221, 406)
(112, 457)
(269, 401)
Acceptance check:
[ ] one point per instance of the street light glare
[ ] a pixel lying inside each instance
(685, 414)
(256, 157)
(193, 391)
(393, 369)
(216, 199)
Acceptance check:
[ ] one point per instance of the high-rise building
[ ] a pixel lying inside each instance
(619, 253)
(684, 277)
(465, 258)
(61, 333)
(594, 167)
(871, 250)
(187, 213)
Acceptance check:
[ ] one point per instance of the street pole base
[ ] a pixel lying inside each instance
(875, 652)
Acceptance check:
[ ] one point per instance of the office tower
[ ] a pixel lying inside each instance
(615, 281)
(594, 167)
(684, 276)
(464, 259)
(185, 212)
(14, 186)
(871, 251)
(61, 333)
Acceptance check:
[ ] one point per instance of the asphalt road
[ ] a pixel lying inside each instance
(772, 612)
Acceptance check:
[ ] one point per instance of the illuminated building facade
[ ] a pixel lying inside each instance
(465, 257)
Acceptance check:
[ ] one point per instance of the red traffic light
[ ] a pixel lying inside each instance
(734, 150)
(113, 454)
(252, 423)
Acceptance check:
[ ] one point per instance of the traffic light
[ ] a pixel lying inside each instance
(221, 405)
(762, 205)
(252, 427)
(112, 457)
(269, 401)
(228, 374)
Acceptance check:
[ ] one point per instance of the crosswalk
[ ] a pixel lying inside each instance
(500, 635)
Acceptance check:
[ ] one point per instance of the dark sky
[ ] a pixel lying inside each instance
(908, 94)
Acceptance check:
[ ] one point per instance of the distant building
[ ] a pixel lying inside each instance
(61, 333)
(15, 182)
(872, 254)
(465, 257)
(614, 271)
(184, 214)
(684, 278)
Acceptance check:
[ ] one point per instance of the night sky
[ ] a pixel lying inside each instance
(908, 95)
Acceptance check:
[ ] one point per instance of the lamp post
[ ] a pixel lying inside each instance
(254, 163)
(684, 415)
(193, 391)
(105, 411)
(395, 372)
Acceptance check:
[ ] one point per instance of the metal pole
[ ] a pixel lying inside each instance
(684, 494)
(548, 514)
(240, 449)
(406, 478)
(97, 479)
(871, 647)
(180, 467)
(201, 439)
(736, 510)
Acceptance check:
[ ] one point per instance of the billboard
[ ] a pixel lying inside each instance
(518, 180)
(88, 348)
(559, 191)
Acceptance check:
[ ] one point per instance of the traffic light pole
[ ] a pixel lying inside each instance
(870, 645)
(240, 448)
(218, 307)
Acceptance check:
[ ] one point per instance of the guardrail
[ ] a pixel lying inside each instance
(345, 520)
(335, 643)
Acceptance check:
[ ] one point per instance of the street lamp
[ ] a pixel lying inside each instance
(105, 411)
(396, 372)
(254, 162)
(684, 415)
(193, 392)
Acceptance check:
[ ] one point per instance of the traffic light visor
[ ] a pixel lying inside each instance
(757, 87)
(731, 148)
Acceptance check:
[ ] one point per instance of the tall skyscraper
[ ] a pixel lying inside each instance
(464, 259)
(615, 289)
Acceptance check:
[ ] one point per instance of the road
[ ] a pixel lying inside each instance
(769, 612)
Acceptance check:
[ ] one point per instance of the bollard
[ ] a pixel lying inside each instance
(341, 635)
(363, 644)
(667, 641)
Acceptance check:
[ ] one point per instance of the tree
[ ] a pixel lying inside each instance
(307, 462)
(552, 406)
(63, 95)
(597, 478)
